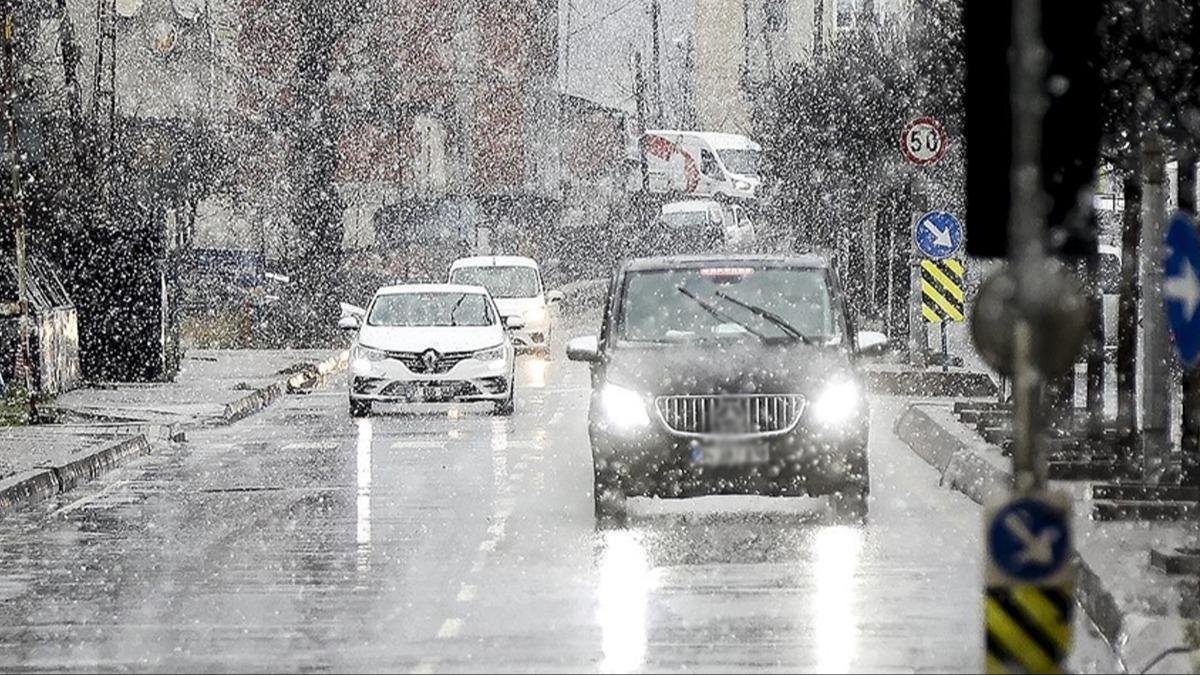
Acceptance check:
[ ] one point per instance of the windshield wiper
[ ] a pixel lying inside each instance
(767, 314)
(718, 314)
(458, 303)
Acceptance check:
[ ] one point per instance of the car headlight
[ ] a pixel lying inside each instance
(837, 403)
(624, 408)
(490, 354)
(741, 185)
(362, 358)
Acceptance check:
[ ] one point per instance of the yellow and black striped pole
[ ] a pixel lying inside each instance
(942, 296)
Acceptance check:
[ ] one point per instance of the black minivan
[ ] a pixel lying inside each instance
(727, 374)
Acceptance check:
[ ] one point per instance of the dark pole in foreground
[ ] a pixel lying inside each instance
(16, 211)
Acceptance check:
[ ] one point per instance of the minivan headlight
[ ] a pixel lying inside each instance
(490, 354)
(624, 408)
(837, 403)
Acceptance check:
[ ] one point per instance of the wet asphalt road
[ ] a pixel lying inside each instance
(447, 539)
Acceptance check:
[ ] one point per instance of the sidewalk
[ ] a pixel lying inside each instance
(105, 425)
(1141, 612)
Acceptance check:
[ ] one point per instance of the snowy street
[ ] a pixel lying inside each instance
(448, 539)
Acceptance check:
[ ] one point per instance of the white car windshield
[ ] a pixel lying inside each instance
(727, 302)
(431, 309)
(501, 282)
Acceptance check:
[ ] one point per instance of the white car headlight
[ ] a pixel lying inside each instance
(624, 408)
(836, 404)
(490, 354)
(362, 358)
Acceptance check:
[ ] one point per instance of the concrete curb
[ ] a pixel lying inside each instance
(929, 383)
(103, 460)
(935, 435)
(37, 485)
(30, 487)
(303, 381)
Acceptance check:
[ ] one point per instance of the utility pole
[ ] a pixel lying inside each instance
(656, 54)
(642, 200)
(1190, 437)
(1156, 395)
(16, 211)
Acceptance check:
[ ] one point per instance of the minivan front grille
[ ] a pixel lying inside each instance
(730, 414)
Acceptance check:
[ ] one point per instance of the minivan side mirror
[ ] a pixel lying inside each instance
(514, 322)
(585, 349)
(872, 343)
(554, 297)
(349, 323)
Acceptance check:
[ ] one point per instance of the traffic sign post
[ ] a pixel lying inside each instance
(1029, 604)
(923, 141)
(939, 234)
(943, 299)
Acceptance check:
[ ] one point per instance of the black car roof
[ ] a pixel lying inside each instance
(675, 261)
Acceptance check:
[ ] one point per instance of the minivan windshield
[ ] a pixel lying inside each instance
(501, 282)
(744, 162)
(728, 302)
(431, 309)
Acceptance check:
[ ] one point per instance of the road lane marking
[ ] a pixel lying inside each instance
(450, 628)
(466, 593)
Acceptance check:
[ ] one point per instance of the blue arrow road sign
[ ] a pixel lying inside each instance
(1181, 286)
(939, 234)
(1028, 539)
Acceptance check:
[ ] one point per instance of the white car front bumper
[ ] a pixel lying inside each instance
(389, 380)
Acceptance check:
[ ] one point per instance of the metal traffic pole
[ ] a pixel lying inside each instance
(1028, 603)
(1026, 238)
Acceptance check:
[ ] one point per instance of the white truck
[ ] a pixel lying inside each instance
(702, 163)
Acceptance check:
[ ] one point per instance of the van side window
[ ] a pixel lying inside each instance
(708, 165)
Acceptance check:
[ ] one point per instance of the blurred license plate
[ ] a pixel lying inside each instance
(724, 455)
(417, 393)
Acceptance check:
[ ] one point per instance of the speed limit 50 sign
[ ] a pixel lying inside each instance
(923, 141)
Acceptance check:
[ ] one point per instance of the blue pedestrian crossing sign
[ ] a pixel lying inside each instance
(939, 234)
(1181, 286)
(1029, 540)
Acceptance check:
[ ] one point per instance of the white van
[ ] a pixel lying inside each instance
(702, 163)
(515, 283)
(688, 219)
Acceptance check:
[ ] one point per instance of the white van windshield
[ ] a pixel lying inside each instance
(744, 162)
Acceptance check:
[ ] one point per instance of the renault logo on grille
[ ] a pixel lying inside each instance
(430, 358)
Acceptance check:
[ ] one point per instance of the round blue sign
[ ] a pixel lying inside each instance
(1028, 539)
(939, 234)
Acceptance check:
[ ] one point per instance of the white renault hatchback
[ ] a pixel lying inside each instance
(516, 284)
(430, 343)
